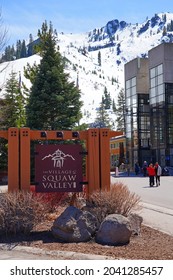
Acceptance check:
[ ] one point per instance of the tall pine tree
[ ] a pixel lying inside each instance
(120, 120)
(106, 99)
(99, 58)
(18, 49)
(102, 118)
(54, 102)
(23, 50)
(13, 113)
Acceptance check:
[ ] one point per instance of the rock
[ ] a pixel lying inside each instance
(114, 230)
(135, 223)
(74, 225)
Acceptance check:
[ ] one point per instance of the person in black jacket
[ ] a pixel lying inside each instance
(144, 168)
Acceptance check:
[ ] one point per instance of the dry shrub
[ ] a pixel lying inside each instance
(119, 200)
(53, 199)
(20, 212)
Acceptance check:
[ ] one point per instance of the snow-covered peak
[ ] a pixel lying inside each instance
(118, 42)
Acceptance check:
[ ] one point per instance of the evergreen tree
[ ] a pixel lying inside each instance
(18, 49)
(13, 53)
(13, 113)
(30, 73)
(31, 46)
(99, 58)
(120, 120)
(102, 118)
(164, 17)
(113, 106)
(9, 54)
(23, 50)
(54, 102)
(164, 31)
(30, 38)
(106, 99)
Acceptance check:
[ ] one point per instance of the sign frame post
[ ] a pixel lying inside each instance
(97, 141)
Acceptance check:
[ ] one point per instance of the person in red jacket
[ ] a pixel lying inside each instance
(151, 174)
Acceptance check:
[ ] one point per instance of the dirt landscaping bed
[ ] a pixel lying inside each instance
(150, 244)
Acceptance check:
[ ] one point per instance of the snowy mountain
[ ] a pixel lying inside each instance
(118, 42)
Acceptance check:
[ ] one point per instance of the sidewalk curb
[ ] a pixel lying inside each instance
(158, 209)
(160, 212)
(60, 255)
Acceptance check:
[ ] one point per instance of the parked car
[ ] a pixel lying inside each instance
(165, 171)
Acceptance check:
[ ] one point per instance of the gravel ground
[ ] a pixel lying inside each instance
(149, 245)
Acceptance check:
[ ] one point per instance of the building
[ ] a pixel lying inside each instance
(149, 107)
(117, 151)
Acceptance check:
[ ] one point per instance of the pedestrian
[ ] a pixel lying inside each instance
(151, 174)
(144, 168)
(116, 171)
(137, 168)
(158, 171)
(128, 169)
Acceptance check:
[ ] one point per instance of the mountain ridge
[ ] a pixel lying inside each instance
(118, 42)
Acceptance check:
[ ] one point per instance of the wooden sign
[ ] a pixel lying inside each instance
(58, 168)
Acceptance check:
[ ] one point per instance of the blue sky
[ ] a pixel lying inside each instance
(22, 17)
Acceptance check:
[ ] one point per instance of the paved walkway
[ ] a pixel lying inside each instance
(159, 218)
(157, 202)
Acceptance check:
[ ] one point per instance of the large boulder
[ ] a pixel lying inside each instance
(74, 225)
(135, 223)
(114, 230)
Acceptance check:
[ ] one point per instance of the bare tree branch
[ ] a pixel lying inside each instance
(3, 34)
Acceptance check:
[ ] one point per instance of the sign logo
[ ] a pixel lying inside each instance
(58, 168)
(58, 158)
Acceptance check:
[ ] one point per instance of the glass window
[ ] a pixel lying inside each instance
(152, 92)
(160, 98)
(134, 110)
(156, 84)
(153, 101)
(131, 102)
(146, 108)
(170, 112)
(134, 100)
(128, 102)
(170, 131)
(127, 84)
(171, 99)
(160, 79)
(152, 73)
(153, 82)
(160, 69)
(133, 90)
(127, 93)
(133, 81)
(160, 89)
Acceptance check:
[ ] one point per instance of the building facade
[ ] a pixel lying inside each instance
(149, 107)
(117, 151)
